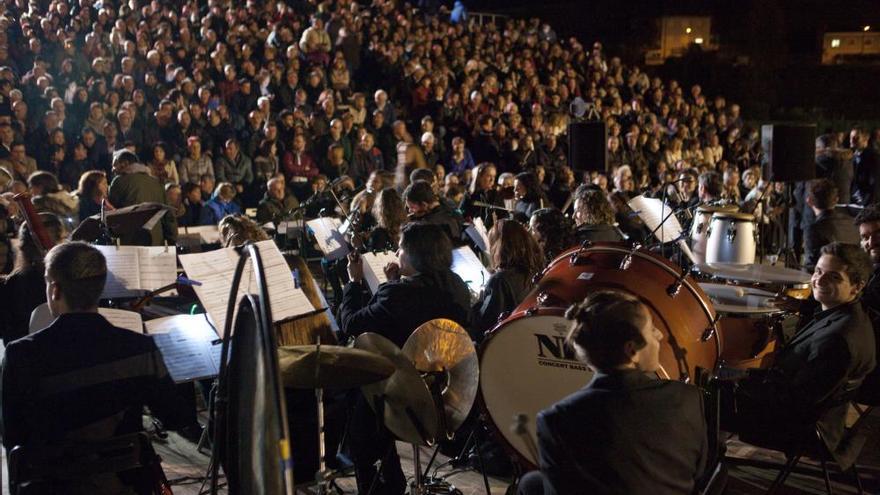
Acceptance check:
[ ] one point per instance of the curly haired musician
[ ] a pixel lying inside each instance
(626, 432)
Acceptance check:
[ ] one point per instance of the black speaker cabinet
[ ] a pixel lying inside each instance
(789, 152)
(587, 146)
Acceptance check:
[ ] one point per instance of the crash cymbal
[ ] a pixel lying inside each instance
(443, 352)
(302, 366)
(408, 409)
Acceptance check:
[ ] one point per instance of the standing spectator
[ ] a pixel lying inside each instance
(866, 169)
(133, 185)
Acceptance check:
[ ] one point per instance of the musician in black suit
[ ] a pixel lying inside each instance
(425, 206)
(627, 432)
(868, 223)
(81, 378)
(819, 370)
(421, 288)
(828, 225)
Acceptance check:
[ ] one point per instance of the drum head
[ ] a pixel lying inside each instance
(756, 273)
(525, 368)
(732, 299)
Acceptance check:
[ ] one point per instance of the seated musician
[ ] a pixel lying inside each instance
(868, 222)
(425, 206)
(516, 258)
(818, 370)
(828, 225)
(626, 432)
(81, 378)
(25, 288)
(593, 216)
(421, 288)
(553, 231)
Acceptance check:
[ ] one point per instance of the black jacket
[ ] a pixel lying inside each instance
(866, 176)
(82, 378)
(810, 379)
(20, 293)
(829, 226)
(625, 433)
(505, 289)
(399, 307)
(598, 233)
(447, 218)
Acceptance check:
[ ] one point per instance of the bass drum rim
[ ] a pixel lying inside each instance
(495, 430)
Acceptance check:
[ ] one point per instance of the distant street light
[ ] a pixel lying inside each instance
(688, 30)
(866, 28)
(698, 41)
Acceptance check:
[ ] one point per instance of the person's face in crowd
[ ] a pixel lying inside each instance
(159, 154)
(688, 184)
(337, 156)
(417, 209)
(831, 284)
(624, 181)
(276, 190)
(89, 139)
(18, 153)
(367, 142)
(80, 152)
(487, 178)
(319, 185)
(519, 190)
(299, 143)
(857, 140)
(869, 234)
(173, 196)
(646, 359)
(336, 129)
(231, 151)
(602, 181)
(207, 185)
(458, 146)
(6, 135)
(194, 195)
(102, 187)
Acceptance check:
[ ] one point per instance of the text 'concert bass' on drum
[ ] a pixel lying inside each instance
(525, 365)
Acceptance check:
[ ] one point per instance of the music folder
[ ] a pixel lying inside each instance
(189, 346)
(133, 270)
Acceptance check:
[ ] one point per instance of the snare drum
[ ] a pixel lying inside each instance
(732, 238)
(773, 279)
(748, 325)
(700, 229)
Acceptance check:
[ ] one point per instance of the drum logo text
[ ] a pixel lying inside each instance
(553, 352)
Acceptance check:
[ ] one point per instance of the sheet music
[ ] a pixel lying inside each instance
(215, 271)
(467, 266)
(158, 266)
(652, 211)
(478, 233)
(187, 344)
(131, 270)
(122, 271)
(208, 234)
(121, 318)
(374, 264)
(330, 241)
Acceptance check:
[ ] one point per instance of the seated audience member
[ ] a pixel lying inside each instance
(425, 206)
(93, 379)
(515, 258)
(276, 204)
(627, 431)
(593, 216)
(220, 205)
(195, 164)
(92, 194)
(25, 288)
(421, 288)
(828, 225)
(818, 370)
(553, 232)
(47, 196)
(193, 204)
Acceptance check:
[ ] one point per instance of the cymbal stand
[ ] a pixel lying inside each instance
(324, 478)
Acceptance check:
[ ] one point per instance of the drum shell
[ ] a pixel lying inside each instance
(731, 240)
(749, 341)
(685, 318)
(699, 232)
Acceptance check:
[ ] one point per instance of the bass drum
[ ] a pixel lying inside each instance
(679, 307)
(524, 368)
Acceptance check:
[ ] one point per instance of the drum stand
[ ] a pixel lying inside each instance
(325, 479)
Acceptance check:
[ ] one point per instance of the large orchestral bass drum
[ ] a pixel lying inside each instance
(525, 366)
